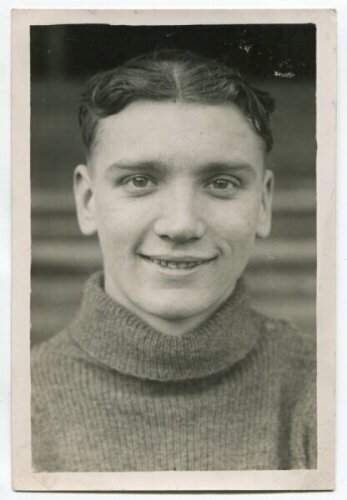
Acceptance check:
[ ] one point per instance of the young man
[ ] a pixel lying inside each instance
(165, 366)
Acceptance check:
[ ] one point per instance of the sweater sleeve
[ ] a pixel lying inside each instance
(303, 440)
(42, 445)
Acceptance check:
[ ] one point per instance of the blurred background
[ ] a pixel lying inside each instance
(277, 58)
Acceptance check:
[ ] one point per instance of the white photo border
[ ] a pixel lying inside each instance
(323, 477)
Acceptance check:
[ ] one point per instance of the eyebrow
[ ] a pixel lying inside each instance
(136, 166)
(154, 166)
(226, 166)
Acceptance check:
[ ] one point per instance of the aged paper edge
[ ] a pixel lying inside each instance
(320, 479)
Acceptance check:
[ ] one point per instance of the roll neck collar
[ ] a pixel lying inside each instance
(117, 338)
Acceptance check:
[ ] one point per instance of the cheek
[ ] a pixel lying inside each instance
(236, 226)
(121, 227)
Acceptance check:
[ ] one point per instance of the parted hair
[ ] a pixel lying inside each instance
(172, 75)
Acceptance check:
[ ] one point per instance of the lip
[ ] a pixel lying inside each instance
(182, 263)
(179, 258)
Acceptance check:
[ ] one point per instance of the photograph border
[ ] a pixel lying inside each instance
(320, 479)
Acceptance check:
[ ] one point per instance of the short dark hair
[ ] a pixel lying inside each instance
(172, 75)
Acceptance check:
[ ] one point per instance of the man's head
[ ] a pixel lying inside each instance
(178, 76)
(176, 184)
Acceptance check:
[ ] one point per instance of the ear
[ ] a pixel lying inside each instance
(265, 213)
(84, 200)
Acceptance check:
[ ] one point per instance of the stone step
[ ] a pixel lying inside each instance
(75, 255)
(49, 202)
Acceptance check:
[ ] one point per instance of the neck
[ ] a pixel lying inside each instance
(173, 326)
(120, 340)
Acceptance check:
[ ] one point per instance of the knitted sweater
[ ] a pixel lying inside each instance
(111, 394)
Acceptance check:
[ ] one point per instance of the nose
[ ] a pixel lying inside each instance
(180, 217)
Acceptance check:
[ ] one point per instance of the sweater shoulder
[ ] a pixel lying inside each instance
(55, 358)
(291, 343)
(288, 352)
(48, 351)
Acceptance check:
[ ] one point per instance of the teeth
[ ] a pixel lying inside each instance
(175, 264)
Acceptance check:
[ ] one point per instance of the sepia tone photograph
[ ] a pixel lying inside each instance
(173, 228)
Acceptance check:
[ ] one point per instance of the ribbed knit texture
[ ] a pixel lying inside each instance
(111, 394)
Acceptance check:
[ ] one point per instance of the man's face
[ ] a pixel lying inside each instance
(177, 193)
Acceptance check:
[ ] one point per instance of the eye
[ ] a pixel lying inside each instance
(140, 183)
(222, 186)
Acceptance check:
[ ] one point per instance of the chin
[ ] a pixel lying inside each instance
(179, 309)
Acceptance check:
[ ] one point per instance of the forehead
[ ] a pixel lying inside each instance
(180, 133)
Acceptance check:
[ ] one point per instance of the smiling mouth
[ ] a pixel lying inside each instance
(178, 263)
